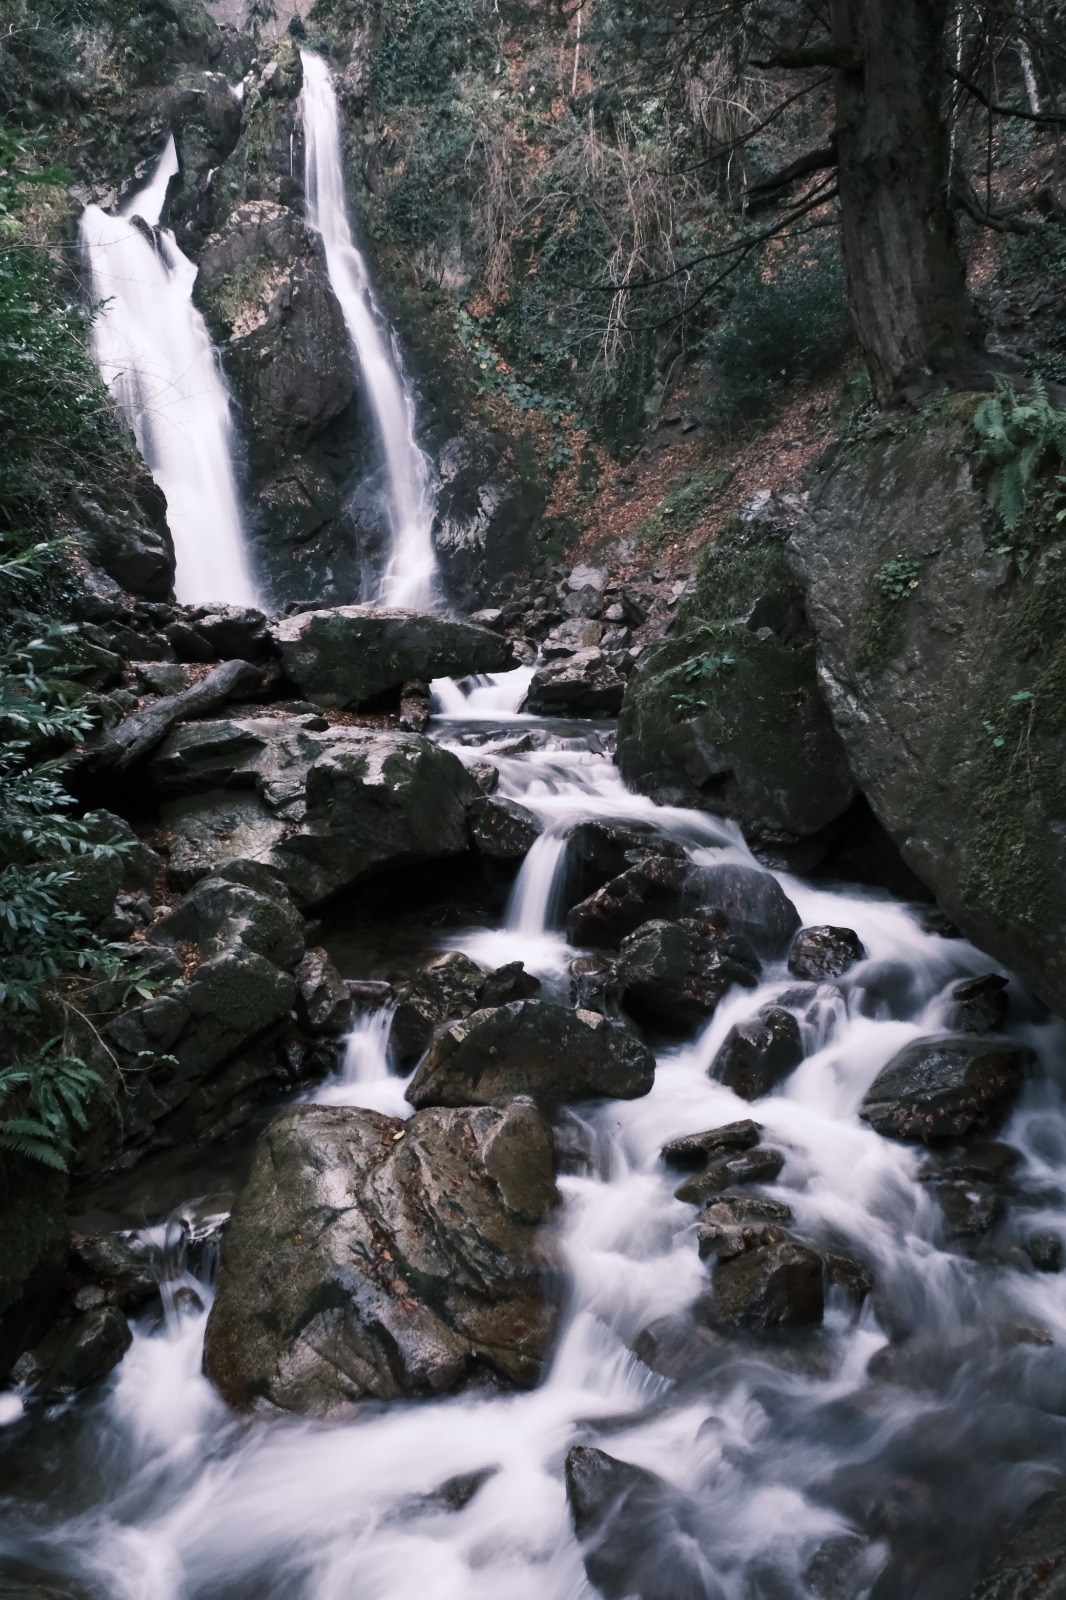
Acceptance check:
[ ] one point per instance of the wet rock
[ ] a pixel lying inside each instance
(1032, 1563)
(969, 1208)
(852, 1276)
(697, 1149)
(415, 705)
(1045, 1251)
(673, 974)
(508, 983)
(777, 1285)
(734, 1223)
(503, 829)
(447, 987)
(137, 551)
(265, 290)
(822, 953)
(754, 903)
(678, 1348)
(119, 1261)
(944, 1088)
(603, 848)
(93, 1347)
(842, 1568)
(532, 1048)
(372, 1257)
(651, 889)
(350, 655)
(32, 1589)
(983, 1161)
(324, 1002)
(227, 633)
(760, 1165)
(639, 1536)
(485, 775)
(218, 914)
(758, 1054)
(980, 1004)
(584, 685)
(576, 633)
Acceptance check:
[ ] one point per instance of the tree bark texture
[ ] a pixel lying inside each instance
(906, 279)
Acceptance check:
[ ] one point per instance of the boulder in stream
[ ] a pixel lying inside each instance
(650, 889)
(349, 655)
(776, 1285)
(369, 1257)
(759, 1165)
(697, 1149)
(502, 829)
(752, 901)
(532, 1048)
(639, 1535)
(582, 685)
(1032, 1563)
(672, 975)
(758, 1054)
(448, 986)
(821, 953)
(945, 1087)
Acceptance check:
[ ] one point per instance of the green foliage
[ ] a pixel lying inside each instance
(47, 1096)
(898, 577)
(697, 672)
(1023, 440)
(784, 324)
(424, 44)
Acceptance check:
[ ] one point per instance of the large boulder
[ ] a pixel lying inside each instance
(350, 655)
(732, 722)
(265, 290)
(754, 904)
(532, 1048)
(583, 684)
(941, 662)
(640, 1537)
(1032, 1563)
(672, 975)
(945, 1088)
(330, 806)
(818, 954)
(757, 1054)
(447, 987)
(655, 888)
(487, 512)
(775, 1285)
(369, 1257)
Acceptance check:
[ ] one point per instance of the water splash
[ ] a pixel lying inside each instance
(156, 357)
(410, 578)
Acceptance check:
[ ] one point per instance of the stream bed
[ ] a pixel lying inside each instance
(881, 1455)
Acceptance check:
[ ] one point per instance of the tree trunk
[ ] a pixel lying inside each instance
(906, 279)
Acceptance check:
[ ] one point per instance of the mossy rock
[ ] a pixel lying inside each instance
(733, 722)
(949, 690)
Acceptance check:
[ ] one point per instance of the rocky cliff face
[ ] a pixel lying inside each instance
(943, 667)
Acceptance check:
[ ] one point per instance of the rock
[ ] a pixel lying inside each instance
(576, 633)
(753, 902)
(230, 632)
(93, 1347)
(913, 680)
(760, 1165)
(586, 577)
(757, 1054)
(119, 1261)
(777, 1285)
(140, 733)
(969, 1208)
(488, 514)
(822, 953)
(136, 551)
(639, 1536)
(532, 1048)
(673, 974)
(416, 703)
(735, 1223)
(981, 1004)
(32, 1589)
(718, 718)
(1045, 1251)
(351, 655)
(982, 1161)
(323, 999)
(371, 1257)
(678, 1348)
(218, 914)
(945, 1087)
(508, 983)
(485, 774)
(582, 685)
(696, 1149)
(652, 889)
(502, 829)
(264, 288)
(449, 986)
(604, 847)
(1032, 1563)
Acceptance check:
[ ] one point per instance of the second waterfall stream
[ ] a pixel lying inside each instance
(410, 575)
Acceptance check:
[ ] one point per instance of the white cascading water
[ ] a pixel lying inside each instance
(410, 577)
(156, 356)
(150, 1490)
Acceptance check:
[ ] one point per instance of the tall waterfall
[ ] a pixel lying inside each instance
(156, 356)
(410, 576)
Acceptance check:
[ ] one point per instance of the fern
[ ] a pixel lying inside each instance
(50, 1091)
(1020, 435)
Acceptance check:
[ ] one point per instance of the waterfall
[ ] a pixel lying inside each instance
(156, 357)
(410, 576)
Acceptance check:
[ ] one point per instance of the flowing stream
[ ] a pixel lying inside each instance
(811, 1467)
(410, 577)
(156, 356)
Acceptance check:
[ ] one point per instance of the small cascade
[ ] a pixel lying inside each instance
(410, 578)
(156, 356)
